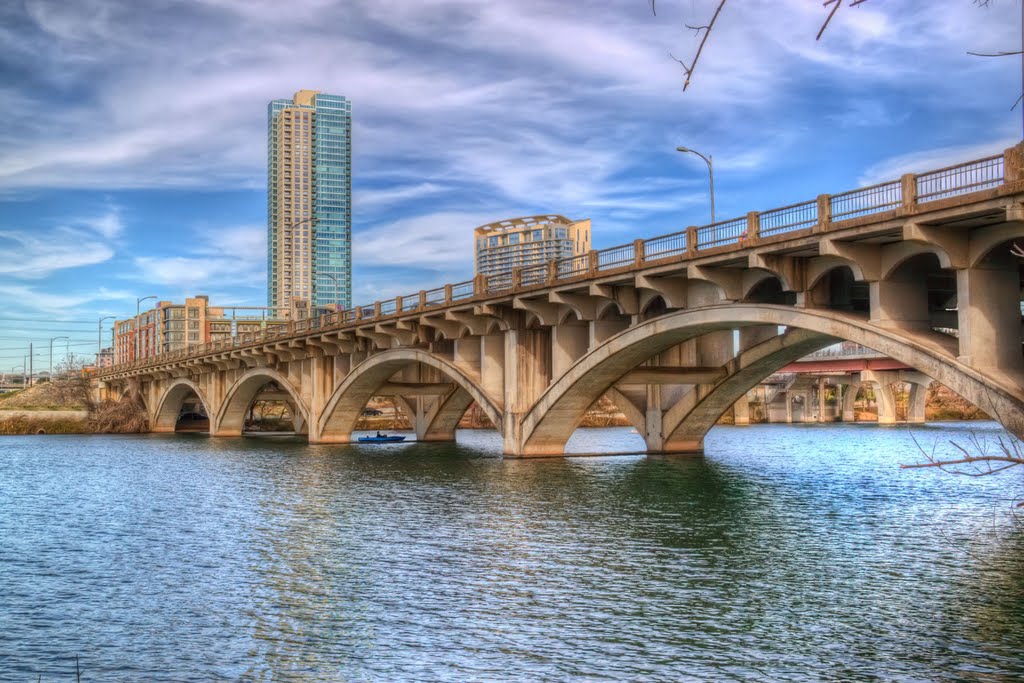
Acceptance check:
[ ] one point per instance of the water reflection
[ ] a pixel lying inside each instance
(787, 553)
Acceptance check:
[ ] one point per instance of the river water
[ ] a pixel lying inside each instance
(785, 553)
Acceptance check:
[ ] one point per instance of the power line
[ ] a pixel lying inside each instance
(48, 320)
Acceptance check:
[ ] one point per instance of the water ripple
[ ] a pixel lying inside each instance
(786, 554)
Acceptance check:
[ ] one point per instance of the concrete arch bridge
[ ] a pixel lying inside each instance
(675, 329)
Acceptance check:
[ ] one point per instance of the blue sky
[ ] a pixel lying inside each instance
(132, 155)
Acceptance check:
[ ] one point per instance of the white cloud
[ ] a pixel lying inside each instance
(930, 159)
(391, 196)
(235, 255)
(183, 98)
(439, 241)
(34, 256)
(108, 225)
(31, 299)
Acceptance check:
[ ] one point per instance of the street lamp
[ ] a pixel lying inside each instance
(135, 353)
(337, 285)
(53, 339)
(711, 174)
(15, 367)
(99, 337)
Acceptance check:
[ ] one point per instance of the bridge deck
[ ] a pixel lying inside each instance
(965, 196)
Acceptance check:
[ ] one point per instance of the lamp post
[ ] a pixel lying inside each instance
(135, 345)
(99, 337)
(711, 174)
(337, 285)
(50, 368)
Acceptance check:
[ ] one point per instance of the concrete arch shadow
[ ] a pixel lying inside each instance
(231, 416)
(366, 379)
(165, 417)
(550, 421)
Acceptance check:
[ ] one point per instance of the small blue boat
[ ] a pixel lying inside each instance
(384, 438)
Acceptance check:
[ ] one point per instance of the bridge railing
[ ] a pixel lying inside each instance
(666, 246)
(463, 290)
(722, 233)
(571, 267)
(787, 219)
(866, 200)
(825, 213)
(960, 179)
(843, 350)
(615, 257)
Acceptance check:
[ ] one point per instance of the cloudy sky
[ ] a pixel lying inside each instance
(132, 154)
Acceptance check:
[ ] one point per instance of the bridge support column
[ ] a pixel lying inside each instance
(568, 344)
(885, 397)
(850, 401)
(492, 364)
(527, 374)
(821, 400)
(989, 317)
(901, 301)
(917, 404)
(741, 411)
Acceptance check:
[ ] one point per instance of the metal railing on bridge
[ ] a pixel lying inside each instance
(826, 213)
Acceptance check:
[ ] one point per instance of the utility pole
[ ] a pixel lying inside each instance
(30, 373)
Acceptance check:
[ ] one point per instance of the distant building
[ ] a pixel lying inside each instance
(528, 241)
(309, 201)
(170, 327)
(105, 358)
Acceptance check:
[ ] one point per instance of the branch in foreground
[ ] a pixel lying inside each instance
(1009, 452)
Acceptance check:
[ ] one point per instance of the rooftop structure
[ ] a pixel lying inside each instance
(532, 240)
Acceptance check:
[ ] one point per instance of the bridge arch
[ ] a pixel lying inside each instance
(550, 421)
(165, 417)
(366, 379)
(896, 256)
(985, 241)
(230, 418)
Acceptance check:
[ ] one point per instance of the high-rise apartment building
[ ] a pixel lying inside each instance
(528, 241)
(309, 202)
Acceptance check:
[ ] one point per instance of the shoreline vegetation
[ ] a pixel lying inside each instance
(63, 407)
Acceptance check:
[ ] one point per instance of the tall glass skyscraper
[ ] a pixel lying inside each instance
(309, 201)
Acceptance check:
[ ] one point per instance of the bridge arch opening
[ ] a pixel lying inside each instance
(182, 408)
(552, 419)
(838, 289)
(436, 394)
(770, 291)
(655, 307)
(258, 398)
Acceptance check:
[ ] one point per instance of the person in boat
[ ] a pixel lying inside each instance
(379, 435)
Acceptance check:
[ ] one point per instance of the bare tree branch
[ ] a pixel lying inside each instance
(707, 32)
(836, 4)
(688, 69)
(996, 54)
